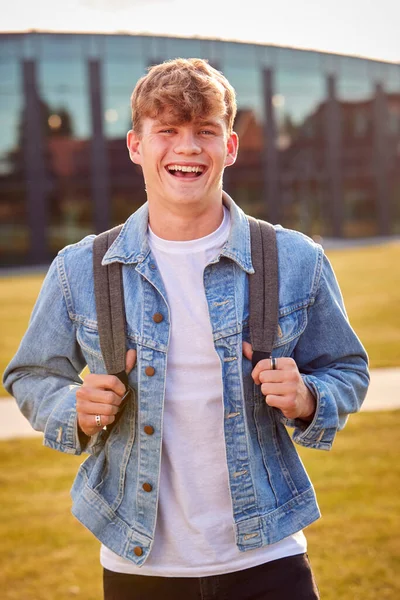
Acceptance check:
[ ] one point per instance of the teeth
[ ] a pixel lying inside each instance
(185, 169)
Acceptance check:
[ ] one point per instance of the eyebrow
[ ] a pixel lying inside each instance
(158, 123)
(167, 123)
(209, 124)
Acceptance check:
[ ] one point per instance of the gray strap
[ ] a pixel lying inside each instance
(264, 301)
(263, 297)
(110, 306)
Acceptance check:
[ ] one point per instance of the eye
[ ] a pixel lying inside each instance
(207, 132)
(167, 131)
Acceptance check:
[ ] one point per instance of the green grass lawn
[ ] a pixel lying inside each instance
(370, 281)
(45, 554)
(369, 278)
(17, 297)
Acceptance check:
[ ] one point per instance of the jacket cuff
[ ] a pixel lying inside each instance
(61, 431)
(320, 433)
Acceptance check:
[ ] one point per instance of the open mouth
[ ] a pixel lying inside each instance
(186, 171)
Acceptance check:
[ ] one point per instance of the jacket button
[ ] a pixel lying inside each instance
(147, 487)
(138, 550)
(157, 318)
(150, 371)
(148, 429)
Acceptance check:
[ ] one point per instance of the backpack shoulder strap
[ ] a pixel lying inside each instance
(110, 307)
(264, 291)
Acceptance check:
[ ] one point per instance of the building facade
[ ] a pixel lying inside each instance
(319, 152)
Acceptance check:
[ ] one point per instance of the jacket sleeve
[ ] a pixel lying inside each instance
(333, 364)
(44, 374)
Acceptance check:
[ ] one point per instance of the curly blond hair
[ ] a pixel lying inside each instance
(189, 89)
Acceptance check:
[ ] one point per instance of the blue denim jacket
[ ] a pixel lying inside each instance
(272, 496)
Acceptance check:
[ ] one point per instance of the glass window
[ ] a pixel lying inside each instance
(30, 46)
(13, 229)
(393, 104)
(126, 181)
(64, 87)
(182, 48)
(149, 50)
(10, 109)
(10, 76)
(122, 47)
(210, 49)
(119, 79)
(354, 79)
(215, 52)
(299, 103)
(362, 123)
(247, 82)
(10, 46)
(387, 74)
(392, 79)
(266, 56)
(64, 90)
(239, 54)
(60, 46)
(355, 91)
(11, 128)
(127, 185)
(292, 59)
(298, 93)
(245, 180)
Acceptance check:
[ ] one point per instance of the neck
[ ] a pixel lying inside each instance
(181, 227)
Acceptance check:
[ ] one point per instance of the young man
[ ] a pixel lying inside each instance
(198, 492)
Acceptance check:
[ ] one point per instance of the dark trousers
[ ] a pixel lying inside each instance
(288, 578)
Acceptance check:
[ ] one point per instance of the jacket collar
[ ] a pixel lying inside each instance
(132, 246)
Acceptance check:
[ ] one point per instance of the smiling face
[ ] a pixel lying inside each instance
(183, 163)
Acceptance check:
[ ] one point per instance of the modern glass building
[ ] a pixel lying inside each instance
(320, 137)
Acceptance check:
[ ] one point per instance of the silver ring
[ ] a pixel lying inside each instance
(274, 363)
(97, 418)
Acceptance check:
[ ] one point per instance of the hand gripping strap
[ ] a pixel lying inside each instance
(264, 289)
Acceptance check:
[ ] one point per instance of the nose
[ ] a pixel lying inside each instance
(187, 143)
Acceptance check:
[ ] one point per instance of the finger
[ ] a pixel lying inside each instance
(247, 350)
(288, 407)
(88, 423)
(272, 376)
(130, 360)
(283, 363)
(274, 400)
(93, 408)
(262, 365)
(87, 395)
(105, 382)
(276, 389)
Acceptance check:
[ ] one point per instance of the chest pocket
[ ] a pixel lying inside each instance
(292, 322)
(89, 341)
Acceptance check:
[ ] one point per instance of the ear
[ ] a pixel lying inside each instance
(232, 147)
(133, 143)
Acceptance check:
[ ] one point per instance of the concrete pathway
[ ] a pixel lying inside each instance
(384, 390)
(383, 394)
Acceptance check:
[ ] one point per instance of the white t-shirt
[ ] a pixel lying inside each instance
(194, 534)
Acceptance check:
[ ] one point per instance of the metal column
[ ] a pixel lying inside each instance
(334, 157)
(270, 153)
(381, 145)
(99, 160)
(34, 166)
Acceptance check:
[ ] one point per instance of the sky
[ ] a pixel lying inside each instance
(357, 27)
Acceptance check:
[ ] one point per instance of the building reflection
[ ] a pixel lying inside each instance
(319, 137)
